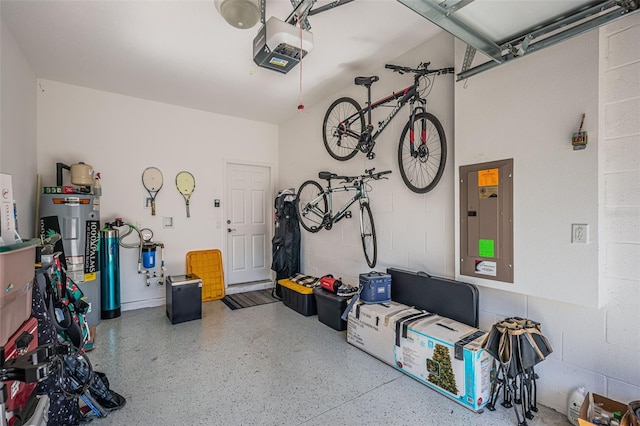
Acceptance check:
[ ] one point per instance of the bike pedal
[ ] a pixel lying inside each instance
(371, 155)
(348, 215)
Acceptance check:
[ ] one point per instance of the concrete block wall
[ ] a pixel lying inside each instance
(619, 196)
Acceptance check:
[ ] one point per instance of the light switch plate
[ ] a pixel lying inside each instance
(167, 222)
(579, 233)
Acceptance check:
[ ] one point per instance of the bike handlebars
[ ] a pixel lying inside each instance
(368, 174)
(422, 69)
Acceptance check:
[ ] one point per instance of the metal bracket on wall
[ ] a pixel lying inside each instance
(469, 54)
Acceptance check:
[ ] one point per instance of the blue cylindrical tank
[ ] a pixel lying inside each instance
(110, 276)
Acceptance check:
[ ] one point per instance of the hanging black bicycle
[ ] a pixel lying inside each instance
(421, 162)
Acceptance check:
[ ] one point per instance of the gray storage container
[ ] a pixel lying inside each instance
(184, 298)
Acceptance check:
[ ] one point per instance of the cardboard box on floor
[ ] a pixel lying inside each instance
(372, 328)
(447, 356)
(442, 353)
(607, 404)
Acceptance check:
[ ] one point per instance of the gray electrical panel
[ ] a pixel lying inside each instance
(486, 220)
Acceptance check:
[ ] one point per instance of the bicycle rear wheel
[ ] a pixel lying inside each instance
(368, 235)
(422, 171)
(341, 129)
(312, 205)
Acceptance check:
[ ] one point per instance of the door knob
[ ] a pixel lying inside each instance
(230, 230)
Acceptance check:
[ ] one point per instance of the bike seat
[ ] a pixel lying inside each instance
(366, 81)
(327, 175)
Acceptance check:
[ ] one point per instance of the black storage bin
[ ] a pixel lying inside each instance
(298, 297)
(184, 298)
(330, 307)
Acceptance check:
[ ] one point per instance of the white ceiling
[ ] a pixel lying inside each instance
(184, 53)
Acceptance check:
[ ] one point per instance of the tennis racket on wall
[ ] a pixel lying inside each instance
(152, 181)
(186, 184)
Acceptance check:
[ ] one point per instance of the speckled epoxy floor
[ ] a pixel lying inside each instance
(265, 365)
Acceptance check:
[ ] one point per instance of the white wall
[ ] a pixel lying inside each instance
(18, 128)
(528, 110)
(414, 230)
(121, 136)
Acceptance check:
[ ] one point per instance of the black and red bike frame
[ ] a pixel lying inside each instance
(411, 95)
(368, 138)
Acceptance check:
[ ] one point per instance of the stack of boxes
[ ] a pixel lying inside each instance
(439, 352)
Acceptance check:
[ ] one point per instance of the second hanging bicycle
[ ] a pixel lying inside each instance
(315, 207)
(421, 161)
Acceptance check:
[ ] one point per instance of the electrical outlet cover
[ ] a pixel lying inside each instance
(580, 233)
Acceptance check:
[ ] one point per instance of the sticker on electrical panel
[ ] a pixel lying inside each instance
(488, 177)
(279, 62)
(486, 248)
(488, 192)
(484, 267)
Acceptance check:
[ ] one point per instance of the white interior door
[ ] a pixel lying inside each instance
(248, 223)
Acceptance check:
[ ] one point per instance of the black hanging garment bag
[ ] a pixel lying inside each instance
(286, 238)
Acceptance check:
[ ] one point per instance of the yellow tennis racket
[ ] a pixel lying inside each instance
(152, 181)
(186, 184)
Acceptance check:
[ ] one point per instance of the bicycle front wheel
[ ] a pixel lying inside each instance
(422, 167)
(368, 235)
(341, 129)
(312, 205)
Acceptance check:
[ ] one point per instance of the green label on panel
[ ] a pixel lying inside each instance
(485, 248)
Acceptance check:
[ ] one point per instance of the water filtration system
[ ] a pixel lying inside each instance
(110, 278)
(111, 242)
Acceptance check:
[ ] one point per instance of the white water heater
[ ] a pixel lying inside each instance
(76, 218)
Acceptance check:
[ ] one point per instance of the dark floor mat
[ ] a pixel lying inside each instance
(248, 299)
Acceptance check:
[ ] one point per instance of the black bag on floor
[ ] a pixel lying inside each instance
(95, 383)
